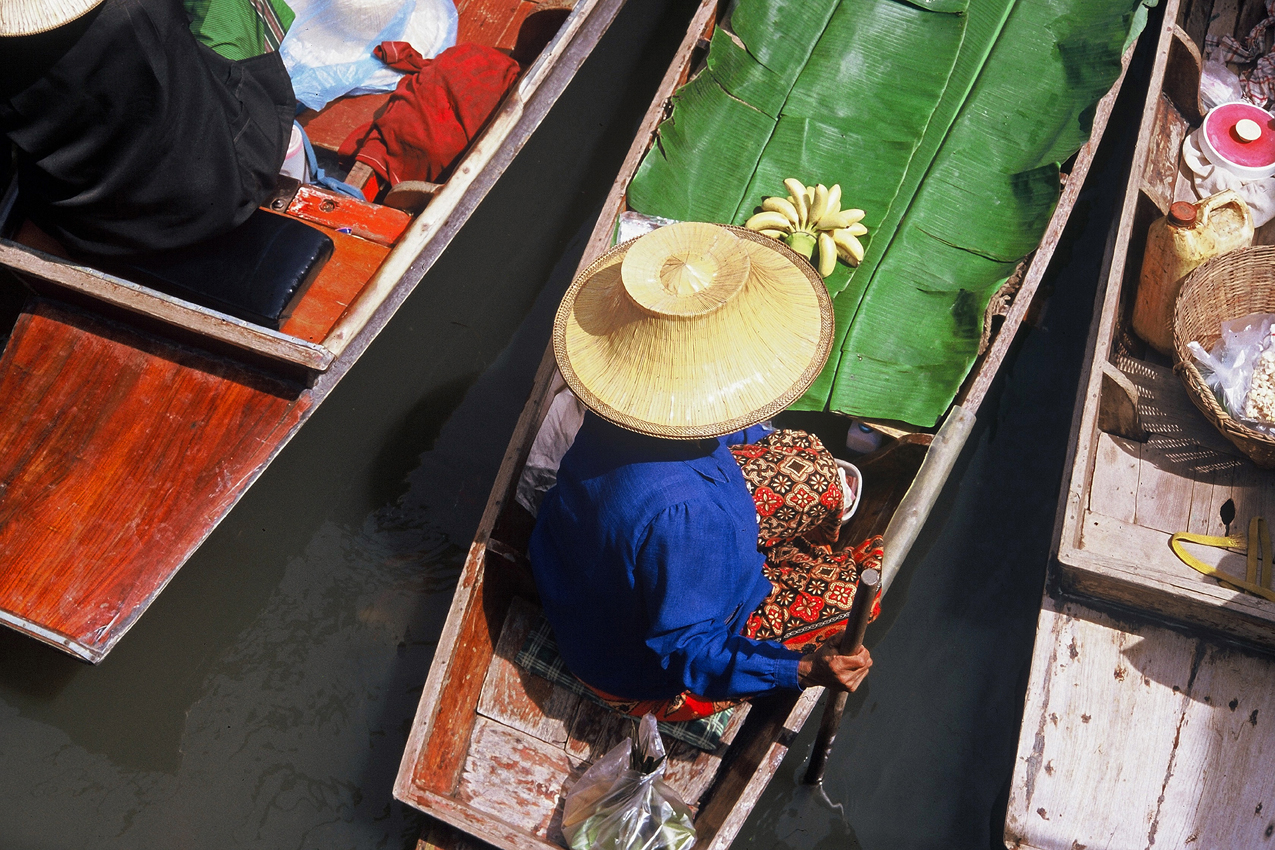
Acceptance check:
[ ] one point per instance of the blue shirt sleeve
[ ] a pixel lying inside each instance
(694, 572)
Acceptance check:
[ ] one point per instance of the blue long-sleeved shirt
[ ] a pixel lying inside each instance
(645, 556)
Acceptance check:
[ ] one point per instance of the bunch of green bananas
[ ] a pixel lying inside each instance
(811, 217)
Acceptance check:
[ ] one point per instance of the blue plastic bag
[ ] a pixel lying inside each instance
(328, 48)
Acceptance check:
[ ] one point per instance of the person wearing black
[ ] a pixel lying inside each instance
(130, 136)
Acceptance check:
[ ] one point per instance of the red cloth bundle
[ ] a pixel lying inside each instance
(434, 112)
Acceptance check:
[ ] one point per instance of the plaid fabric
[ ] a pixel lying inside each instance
(1257, 83)
(239, 29)
(539, 655)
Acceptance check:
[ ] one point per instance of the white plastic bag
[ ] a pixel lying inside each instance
(328, 48)
(622, 802)
(1228, 368)
(1218, 85)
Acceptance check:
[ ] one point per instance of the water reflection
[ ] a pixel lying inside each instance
(264, 699)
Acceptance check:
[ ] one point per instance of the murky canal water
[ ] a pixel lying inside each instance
(264, 700)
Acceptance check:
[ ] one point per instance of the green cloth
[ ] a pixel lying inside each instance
(239, 29)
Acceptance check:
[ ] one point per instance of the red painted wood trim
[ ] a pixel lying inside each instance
(375, 223)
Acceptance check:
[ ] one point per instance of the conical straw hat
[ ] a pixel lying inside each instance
(28, 17)
(693, 330)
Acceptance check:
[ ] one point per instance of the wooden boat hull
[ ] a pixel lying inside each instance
(1146, 722)
(494, 748)
(131, 423)
(1145, 462)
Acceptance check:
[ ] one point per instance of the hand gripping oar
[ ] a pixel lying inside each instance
(851, 640)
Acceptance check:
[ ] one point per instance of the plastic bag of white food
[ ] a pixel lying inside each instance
(328, 48)
(1241, 369)
(623, 803)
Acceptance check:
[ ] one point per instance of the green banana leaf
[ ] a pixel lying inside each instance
(944, 122)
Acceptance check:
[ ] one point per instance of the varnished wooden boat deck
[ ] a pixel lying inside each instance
(1136, 479)
(132, 422)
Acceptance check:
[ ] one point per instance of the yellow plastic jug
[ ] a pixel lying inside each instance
(1176, 244)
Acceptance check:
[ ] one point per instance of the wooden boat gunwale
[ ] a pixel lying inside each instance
(429, 782)
(520, 111)
(1160, 587)
(1147, 692)
(307, 371)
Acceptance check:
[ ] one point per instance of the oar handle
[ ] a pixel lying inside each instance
(851, 639)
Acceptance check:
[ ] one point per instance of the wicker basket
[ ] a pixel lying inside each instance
(1228, 287)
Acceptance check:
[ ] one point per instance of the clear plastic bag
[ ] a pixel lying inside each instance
(328, 48)
(1229, 368)
(622, 802)
(1218, 85)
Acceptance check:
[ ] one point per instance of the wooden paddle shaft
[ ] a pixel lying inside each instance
(851, 640)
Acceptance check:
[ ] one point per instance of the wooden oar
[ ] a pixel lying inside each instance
(851, 640)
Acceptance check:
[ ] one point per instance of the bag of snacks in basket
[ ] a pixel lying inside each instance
(1241, 369)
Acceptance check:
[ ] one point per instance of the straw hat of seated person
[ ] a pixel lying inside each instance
(28, 17)
(693, 330)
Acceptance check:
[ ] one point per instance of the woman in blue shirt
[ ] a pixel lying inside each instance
(683, 570)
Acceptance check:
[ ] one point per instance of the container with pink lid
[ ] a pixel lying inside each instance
(1240, 137)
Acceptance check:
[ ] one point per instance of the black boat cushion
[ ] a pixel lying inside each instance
(256, 272)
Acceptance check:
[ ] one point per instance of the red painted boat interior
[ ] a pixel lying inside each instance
(121, 450)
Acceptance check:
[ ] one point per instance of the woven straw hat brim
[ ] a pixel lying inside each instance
(28, 17)
(696, 376)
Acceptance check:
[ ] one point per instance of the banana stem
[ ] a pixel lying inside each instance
(802, 242)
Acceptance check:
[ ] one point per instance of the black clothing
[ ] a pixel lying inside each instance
(133, 137)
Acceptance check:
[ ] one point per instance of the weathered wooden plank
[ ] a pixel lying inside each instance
(518, 698)
(1149, 549)
(103, 498)
(1118, 405)
(514, 776)
(1163, 499)
(595, 730)
(439, 751)
(1076, 774)
(1209, 491)
(1161, 165)
(488, 829)
(485, 21)
(1138, 736)
(1222, 792)
(1114, 491)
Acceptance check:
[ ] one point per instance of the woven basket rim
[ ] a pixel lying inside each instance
(1201, 279)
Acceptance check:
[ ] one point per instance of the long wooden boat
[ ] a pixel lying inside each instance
(493, 747)
(1148, 718)
(1145, 462)
(131, 422)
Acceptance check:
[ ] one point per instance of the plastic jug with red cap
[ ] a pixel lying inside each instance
(1176, 244)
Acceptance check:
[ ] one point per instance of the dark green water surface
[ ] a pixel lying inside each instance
(264, 700)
